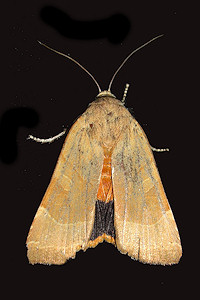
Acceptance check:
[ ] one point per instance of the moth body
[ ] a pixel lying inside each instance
(105, 187)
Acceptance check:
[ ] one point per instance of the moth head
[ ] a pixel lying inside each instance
(105, 94)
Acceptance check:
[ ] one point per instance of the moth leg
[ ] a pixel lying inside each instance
(48, 140)
(159, 150)
(125, 93)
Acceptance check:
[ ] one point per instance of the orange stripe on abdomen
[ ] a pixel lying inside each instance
(105, 191)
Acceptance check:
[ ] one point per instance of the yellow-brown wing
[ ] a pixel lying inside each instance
(144, 223)
(64, 220)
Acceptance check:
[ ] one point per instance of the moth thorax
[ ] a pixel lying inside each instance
(105, 94)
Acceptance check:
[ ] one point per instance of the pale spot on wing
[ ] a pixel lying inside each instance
(43, 211)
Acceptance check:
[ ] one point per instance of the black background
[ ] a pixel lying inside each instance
(43, 92)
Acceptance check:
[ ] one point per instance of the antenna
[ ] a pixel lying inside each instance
(109, 87)
(60, 53)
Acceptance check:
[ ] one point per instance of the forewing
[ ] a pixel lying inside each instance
(64, 220)
(144, 223)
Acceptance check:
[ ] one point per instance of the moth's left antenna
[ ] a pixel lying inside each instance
(76, 62)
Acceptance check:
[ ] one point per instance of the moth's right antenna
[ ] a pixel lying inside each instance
(155, 38)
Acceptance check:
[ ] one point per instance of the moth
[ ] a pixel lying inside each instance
(105, 186)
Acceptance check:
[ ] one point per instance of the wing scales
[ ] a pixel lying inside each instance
(64, 220)
(144, 223)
